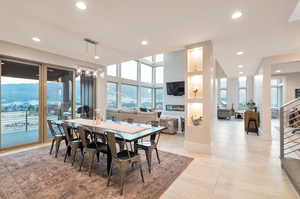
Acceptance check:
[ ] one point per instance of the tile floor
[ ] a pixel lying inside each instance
(240, 167)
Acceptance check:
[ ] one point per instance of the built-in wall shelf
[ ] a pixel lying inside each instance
(194, 73)
(199, 96)
(194, 86)
(195, 100)
(195, 59)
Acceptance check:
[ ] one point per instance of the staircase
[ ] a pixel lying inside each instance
(290, 141)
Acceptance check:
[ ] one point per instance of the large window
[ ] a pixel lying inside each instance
(111, 70)
(146, 73)
(277, 95)
(242, 93)
(146, 98)
(159, 58)
(159, 98)
(159, 75)
(129, 70)
(112, 95)
(128, 96)
(148, 59)
(222, 98)
(145, 89)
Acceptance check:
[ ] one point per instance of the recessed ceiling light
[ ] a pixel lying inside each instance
(241, 73)
(240, 53)
(81, 5)
(236, 15)
(97, 57)
(240, 66)
(278, 71)
(144, 42)
(36, 39)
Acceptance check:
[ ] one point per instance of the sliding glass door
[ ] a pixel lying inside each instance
(59, 94)
(30, 94)
(20, 103)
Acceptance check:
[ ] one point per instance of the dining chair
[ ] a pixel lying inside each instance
(73, 143)
(123, 159)
(91, 147)
(58, 136)
(148, 146)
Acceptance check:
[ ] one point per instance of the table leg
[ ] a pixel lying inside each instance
(69, 150)
(135, 147)
(109, 159)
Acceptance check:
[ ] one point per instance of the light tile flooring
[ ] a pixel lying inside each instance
(240, 167)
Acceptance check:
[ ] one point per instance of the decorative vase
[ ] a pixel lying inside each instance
(196, 120)
(195, 91)
(98, 116)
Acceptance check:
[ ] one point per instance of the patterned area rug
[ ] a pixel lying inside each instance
(36, 175)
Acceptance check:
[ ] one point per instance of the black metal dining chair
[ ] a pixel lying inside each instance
(91, 146)
(148, 146)
(57, 135)
(123, 159)
(73, 143)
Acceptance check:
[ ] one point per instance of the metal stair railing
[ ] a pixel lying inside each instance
(289, 133)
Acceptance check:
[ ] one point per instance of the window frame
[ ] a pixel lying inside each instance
(115, 71)
(152, 68)
(242, 107)
(279, 93)
(155, 98)
(117, 93)
(137, 71)
(152, 96)
(220, 89)
(119, 80)
(137, 94)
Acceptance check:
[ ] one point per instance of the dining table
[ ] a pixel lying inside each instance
(128, 132)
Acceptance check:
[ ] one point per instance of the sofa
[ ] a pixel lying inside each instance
(136, 116)
(224, 114)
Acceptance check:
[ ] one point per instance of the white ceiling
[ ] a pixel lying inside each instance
(120, 26)
(286, 68)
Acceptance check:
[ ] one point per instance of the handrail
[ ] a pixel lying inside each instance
(290, 102)
(288, 141)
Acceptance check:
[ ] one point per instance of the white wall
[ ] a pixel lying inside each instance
(290, 83)
(174, 70)
(258, 90)
(11, 50)
(21, 52)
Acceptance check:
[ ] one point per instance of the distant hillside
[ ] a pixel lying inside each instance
(12, 93)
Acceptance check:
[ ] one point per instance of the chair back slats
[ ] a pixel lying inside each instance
(50, 125)
(84, 135)
(111, 141)
(155, 138)
(67, 131)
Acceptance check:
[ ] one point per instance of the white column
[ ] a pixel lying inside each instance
(101, 91)
(266, 102)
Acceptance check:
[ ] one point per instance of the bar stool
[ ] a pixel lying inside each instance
(253, 130)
